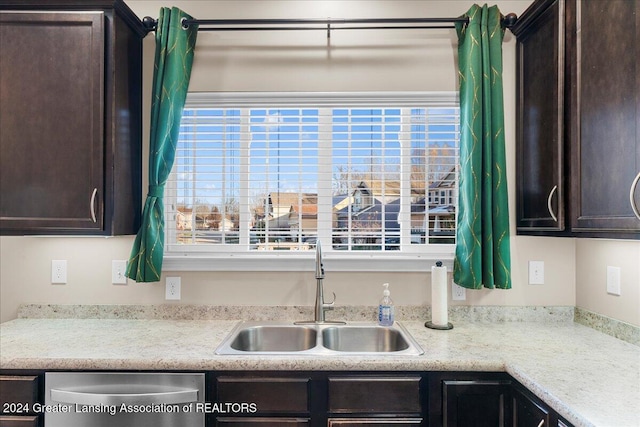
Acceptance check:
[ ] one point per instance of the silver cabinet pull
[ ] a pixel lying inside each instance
(541, 423)
(152, 395)
(634, 184)
(93, 204)
(553, 215)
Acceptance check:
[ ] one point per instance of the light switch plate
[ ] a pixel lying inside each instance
(613, 280)
(536, 272)
(118, 271)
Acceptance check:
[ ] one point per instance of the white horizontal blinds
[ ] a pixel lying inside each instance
(366, 178)
(283, 178)
(434, 174)
(203, 192)
(360, 177)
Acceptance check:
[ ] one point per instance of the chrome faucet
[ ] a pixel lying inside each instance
(320, 306)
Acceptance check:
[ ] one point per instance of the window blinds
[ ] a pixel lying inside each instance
(375, 177)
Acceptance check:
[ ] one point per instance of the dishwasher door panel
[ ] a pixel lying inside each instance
(101, 399)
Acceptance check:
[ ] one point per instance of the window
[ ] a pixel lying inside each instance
(264, 175)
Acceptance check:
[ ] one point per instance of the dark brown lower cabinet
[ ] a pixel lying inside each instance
(479, 399)
(336, 399)
(469, 399)
(529, 411)
(475, 403)
(322, 398)
(18, 394)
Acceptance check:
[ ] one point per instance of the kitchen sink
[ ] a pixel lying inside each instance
(284, 338)
(274, 338)
(364, 339)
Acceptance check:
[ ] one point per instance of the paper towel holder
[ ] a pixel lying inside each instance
(432, 325)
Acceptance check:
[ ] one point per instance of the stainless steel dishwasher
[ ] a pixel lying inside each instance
(105, 399)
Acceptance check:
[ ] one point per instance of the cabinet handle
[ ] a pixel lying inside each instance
(147, 397)
(541, 423)
(93, 204)
(553, 190)
(634, 184)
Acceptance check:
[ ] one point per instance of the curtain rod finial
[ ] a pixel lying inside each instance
(509, 20)
(149, 23)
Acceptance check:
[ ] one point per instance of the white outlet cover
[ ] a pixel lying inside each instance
(536, 272)
(613, 280)
(172, 288)
(59, 271)
(458, 293)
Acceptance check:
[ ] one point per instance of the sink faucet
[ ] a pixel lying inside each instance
(320, 306)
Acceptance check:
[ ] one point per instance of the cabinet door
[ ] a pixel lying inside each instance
(606, 138)
(51, 121)
(469, 399)
(18, 393)
(480, 403)
(540, 118)
(529, 412)
(21, 389)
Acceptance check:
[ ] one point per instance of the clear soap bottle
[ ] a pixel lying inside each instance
(386, 313)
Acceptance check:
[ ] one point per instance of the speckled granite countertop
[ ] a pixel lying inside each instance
(590, 378)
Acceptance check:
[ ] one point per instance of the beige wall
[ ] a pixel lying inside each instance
(350, 61)
(592, 258)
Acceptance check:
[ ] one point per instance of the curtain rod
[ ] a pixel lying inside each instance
(150, 24)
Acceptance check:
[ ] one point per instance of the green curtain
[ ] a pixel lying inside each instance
(172, 69)
(482, 249)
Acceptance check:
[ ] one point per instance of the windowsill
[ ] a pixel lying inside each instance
(306, 262)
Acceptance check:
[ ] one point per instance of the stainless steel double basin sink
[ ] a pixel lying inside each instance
(280, 338)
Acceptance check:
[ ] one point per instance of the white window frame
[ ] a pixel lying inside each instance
(416, 258)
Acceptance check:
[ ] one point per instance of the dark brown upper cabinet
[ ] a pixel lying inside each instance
(540, 172)
(578, 119)
(604, 72)
(70, 117)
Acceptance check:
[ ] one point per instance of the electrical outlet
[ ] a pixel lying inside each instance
(172, 290)
(118, 271)
(458, 293)
(613, 280)
(59, 271)
(536, 272)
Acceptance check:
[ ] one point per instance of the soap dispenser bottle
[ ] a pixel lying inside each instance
(386, 313)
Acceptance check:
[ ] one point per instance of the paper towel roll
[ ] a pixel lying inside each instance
(439, 315)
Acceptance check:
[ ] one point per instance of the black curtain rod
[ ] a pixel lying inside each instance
(321, 24)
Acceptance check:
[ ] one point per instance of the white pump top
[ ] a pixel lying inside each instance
(386, 291)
